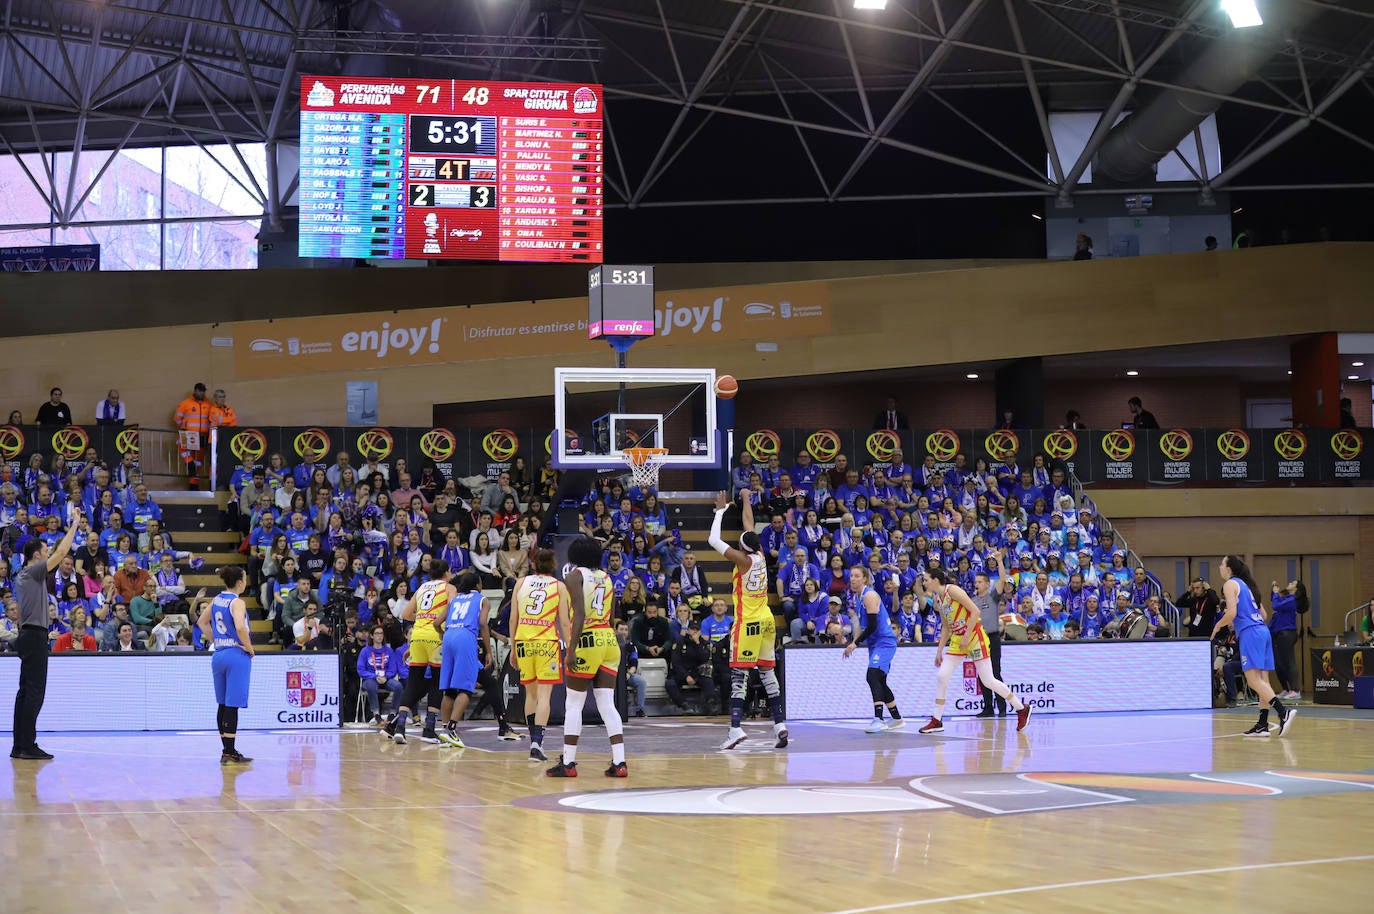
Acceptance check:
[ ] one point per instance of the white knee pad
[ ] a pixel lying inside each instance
(572, 712)
(605, 703)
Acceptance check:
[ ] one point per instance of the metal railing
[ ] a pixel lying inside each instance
(1081, 498)
(158, 454)
(1345, 625)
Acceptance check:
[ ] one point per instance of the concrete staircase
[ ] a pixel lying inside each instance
(193, 520)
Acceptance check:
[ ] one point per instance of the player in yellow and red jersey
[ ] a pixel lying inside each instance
(593, 657)
(427, 609)
(539, 621)
(961, 638)
(754, 632)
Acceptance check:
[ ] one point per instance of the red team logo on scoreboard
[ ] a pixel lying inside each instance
(446, 169)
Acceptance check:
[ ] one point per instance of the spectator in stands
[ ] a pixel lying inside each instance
(1347, 414)
(650, 632)
(130, 580)
(110, 411)
(1083, 247)
(495, 493)
(1209, 243)
(695, 587)
(512, 562)
(125, 642)
(812, 606)
(483, 558)
(890, 417)
(78, 639)
(1140, 416)
(54, 411)
(334, 474)
(690, 667)
(9, 625)
(791, 578)
(170, 587)
(308, 627)
(222, 415)
(143, 608)
(404, 492)
(633, 598)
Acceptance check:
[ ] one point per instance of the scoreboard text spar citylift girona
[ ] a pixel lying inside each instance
(446, 169)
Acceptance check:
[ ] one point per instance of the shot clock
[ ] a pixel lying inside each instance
(620, 302)
(451, 170)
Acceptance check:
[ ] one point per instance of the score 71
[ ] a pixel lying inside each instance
(476, 95)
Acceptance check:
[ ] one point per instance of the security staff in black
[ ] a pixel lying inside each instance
(31, 593)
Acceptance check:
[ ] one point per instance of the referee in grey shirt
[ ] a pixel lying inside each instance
(986, 601)
(31, 593)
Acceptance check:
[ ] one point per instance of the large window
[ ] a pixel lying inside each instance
(160, 208)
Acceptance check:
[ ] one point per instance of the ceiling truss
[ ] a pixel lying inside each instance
(77, 75)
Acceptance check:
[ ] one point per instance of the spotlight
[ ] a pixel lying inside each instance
(1243, 13)
(870, 4)
(1352, 377)
(972, 375)
(1131, 373)
(1357, 364)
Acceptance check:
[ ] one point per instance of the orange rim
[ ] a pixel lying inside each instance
(639, 456)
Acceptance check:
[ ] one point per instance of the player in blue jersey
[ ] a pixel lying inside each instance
(225, 624)
(1252, 637)
(881, 640)
(464, 628)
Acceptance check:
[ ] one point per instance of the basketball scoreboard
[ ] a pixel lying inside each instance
(443, 169)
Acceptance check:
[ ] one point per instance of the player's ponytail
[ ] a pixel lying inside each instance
(230, 575)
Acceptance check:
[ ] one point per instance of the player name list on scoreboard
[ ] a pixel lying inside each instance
(451, 170)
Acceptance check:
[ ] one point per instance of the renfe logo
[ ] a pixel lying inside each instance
(406, 339)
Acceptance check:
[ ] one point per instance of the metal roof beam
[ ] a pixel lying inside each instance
(908, 96)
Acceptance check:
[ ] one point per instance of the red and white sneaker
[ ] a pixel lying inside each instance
(934, 725)
(1022, 716)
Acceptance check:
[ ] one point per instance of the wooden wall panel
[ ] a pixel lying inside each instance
(881, 322)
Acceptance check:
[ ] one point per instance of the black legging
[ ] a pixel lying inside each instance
(995, 655)
(1284, 666)
(417, 685)
(493, 695)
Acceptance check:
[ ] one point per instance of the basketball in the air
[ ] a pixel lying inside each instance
(726, 387)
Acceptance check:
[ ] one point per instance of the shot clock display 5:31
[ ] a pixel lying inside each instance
(451, 169)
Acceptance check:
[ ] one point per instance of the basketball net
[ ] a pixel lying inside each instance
(644, 464)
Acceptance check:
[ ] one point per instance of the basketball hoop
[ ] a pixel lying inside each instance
(644, 464)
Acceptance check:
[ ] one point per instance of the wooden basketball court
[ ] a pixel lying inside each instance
(1138, 812)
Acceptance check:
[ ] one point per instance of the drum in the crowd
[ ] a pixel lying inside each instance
(1013, 627)
(1134, 625)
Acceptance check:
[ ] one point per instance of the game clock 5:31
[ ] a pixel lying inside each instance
(434, 133)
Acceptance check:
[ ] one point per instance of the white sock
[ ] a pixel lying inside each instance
(618, 753)
(572, 723)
